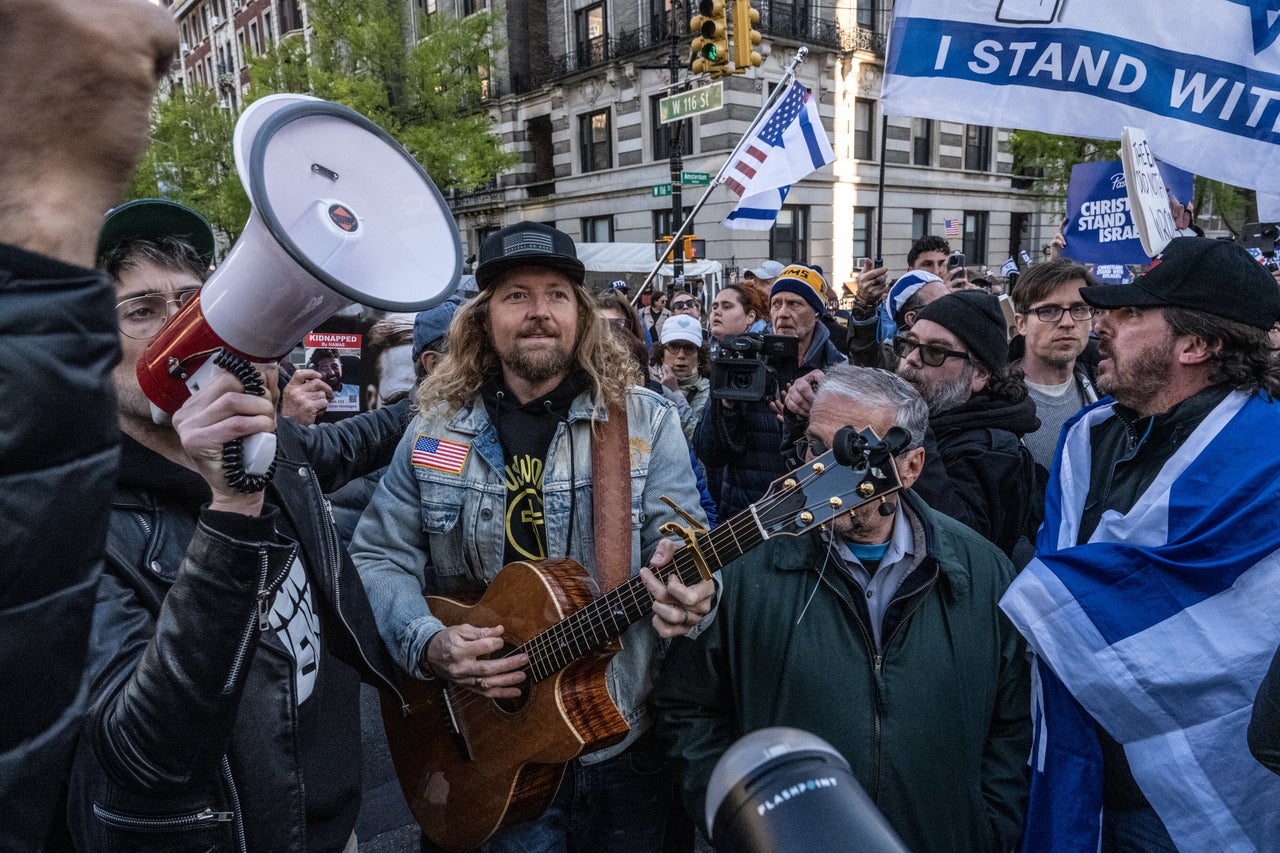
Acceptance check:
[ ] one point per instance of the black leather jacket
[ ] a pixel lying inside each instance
(192, 737)
(58, 451)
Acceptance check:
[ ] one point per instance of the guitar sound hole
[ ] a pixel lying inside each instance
(511, 706)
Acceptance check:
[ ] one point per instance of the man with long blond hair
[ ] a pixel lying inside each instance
(497, 468)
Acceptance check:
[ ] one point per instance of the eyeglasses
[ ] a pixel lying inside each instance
(930, 354)
(683, 304)
(807, 447)
(140, 317)
(1053, 313)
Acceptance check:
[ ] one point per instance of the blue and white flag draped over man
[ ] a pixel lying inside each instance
(1160, 628)
(1201, 78)
(788, 144)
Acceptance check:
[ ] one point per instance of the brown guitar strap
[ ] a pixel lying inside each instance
(611, 499)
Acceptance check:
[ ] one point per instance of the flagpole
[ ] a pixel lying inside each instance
(884, 134)
(787, 77)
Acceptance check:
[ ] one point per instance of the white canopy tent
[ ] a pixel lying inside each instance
(632, 261)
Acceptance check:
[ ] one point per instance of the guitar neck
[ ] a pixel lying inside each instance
(608, 616)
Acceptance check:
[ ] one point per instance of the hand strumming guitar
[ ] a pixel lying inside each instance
(458, 654)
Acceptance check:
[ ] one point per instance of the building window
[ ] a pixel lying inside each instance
(863, 219)
(977, 148)
(867, 14)
(660, 141)
(589, 27)
(595, 141)
(428, 7)
(863, 129)
(663, 225)
(268, 34)
(975, 237)
(597, 229)
(921, 142)
(920, 219)
(789, 239)
(470, 7)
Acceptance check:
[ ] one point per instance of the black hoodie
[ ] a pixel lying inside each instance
(987, 477)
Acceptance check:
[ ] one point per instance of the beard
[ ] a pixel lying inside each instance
(540, 364)
(1140, 376)
(939, 395)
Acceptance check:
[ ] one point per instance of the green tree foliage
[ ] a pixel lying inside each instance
(427, 95)
(190, 159)
(1048, 159)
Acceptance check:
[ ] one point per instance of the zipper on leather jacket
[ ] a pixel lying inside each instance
(168, 823)
(241, 844)
(330, 547)
(246, 637)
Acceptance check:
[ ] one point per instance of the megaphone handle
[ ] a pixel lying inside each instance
(248, 462)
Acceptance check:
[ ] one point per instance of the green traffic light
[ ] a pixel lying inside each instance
(710, 53)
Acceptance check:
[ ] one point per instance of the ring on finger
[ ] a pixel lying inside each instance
(684, 620)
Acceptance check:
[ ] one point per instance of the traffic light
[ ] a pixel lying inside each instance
(660, 247)
(711, 45)
(695, 248)
(745, 35)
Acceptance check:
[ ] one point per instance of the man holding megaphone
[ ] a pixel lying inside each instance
(231, 633)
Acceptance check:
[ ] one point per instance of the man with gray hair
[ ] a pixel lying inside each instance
(879, 632)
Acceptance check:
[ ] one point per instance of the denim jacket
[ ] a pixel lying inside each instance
(435, 532)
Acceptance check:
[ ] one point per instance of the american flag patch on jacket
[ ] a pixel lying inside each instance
(441, 455)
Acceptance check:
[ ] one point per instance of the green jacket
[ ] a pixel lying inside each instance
(936, 727)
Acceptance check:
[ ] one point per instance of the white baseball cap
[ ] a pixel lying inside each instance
(681, 327)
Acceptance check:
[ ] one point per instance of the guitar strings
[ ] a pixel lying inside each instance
(543, 648)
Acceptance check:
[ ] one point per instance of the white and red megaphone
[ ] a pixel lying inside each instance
(341, 214)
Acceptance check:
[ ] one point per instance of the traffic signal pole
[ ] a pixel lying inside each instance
(676, 145)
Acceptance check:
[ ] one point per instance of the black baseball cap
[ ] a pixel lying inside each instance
(1217, 277)
(148, 218)
(528, 244)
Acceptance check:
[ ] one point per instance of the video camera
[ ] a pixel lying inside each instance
(754, 367)
(1263, 236)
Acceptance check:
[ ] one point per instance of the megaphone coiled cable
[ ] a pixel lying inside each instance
(233, 450)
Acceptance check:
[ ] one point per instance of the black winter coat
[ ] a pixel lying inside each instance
(990, 477)
(58, 458)
(192, 739)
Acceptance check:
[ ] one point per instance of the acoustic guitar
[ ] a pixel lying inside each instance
(470, 766)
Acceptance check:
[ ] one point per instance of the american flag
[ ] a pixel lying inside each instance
(442, 455)
(787, 145)
(952, 226)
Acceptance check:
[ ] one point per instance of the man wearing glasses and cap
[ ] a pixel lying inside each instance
(1150, 607)
(230, 635)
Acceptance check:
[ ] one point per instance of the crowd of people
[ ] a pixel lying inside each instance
(1053, 629)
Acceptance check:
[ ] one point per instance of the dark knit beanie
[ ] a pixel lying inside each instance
(975, 318)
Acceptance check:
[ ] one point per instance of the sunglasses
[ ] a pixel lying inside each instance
(930, 354)
(683, 304)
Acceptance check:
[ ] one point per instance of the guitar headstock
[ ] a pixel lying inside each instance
(858, 469)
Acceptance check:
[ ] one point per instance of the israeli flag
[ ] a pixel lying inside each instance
(1160, 628)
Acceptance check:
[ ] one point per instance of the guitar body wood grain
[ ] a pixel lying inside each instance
(511, 757)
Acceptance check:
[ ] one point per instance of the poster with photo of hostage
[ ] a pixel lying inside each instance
(336, 357)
